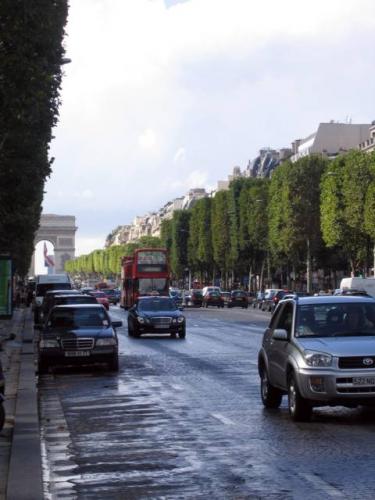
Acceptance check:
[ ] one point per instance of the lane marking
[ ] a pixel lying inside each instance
(177, 387)
(223, 419)
(320, 484)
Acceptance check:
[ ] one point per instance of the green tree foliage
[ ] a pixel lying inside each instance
(220, 224)
(199, 242)
(179, 249)
(31, 54)
(346, 196)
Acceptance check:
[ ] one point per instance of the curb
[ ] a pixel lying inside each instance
(25, 467)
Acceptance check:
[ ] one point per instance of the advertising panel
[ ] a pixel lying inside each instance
(5, 287)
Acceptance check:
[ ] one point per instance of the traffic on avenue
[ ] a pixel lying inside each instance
(183, 418)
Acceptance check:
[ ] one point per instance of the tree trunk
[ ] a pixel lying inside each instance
(249, 287)
(308, 267)
(261, 284)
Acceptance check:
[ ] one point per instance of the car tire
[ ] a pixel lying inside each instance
(182, 333)
(271, 396)
(113, 364)
(43, 367)
(299, 408)
(2, 416)
(130, 330)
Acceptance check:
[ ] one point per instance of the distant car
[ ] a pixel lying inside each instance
(111, 295)
(213, 299)
(156, 315)
(194, 298)
(176, 295)
(211, 288)
(319, 351)
(226, 297)
(101, 298)
(238, 298)
(351, 292)
(258, 300)
(49, 300)
(251, 297)
(82, 334)
(268, 302)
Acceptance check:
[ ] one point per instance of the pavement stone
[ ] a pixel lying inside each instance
(20, 457)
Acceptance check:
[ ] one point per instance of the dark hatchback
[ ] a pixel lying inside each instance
(156, 315)
(238, 298)
(82, 334)
(111, 295)
(213, 299)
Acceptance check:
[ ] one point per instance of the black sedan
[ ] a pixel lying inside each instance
(82, 334)
(238, 298)
(156, 315)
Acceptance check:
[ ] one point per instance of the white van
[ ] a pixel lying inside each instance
(44, 283)
(207, 289)
(363, 284)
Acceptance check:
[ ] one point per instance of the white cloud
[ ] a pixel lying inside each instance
(147, 140)
(180, 155)
(88, 244)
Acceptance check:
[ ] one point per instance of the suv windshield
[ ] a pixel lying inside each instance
(157, 305)
(335, 320)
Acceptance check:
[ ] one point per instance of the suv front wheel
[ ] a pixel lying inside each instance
(299, 408)
(271, 397)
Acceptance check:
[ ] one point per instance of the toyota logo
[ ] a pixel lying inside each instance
(367, 361)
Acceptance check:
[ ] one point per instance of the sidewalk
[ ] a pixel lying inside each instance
(20, 457)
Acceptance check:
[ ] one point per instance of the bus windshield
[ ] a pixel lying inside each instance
(149, 285)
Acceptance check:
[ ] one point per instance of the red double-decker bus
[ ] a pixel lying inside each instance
(145, 273)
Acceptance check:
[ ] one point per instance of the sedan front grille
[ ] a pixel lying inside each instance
(76, 344)
(163, 321)
(357, 362)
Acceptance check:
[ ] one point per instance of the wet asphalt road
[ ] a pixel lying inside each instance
(183, 419)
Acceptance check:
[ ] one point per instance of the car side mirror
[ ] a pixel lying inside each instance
(116, 324)
(280, 334)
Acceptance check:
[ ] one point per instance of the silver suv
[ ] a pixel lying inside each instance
(319, 351)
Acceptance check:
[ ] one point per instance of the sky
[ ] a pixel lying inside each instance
(166, 95)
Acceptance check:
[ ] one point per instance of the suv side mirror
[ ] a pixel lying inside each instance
(280, 334)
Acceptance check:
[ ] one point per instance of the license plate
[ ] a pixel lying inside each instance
(363, 380)
(76, 354)
(161, 326)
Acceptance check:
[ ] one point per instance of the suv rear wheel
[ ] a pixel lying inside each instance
(271, 397)
(299, 408)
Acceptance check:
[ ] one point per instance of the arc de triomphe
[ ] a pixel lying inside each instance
(60, 231)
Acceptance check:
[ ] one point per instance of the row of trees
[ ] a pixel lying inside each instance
(106, 263)
(312, 214)
(31, 55)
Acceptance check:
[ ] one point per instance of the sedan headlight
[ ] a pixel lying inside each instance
(318, 359)
(106, 341)
(180, 319)
(141, 320)
(46, 343)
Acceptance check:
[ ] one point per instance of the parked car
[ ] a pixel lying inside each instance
(319, 351)
(194, 298)
(269, 294)
(156, 315)
(258, 301)
(251, 297)
(213, 299)
(111, 295)
(81, 334)
(237, 298)
(101, 298)
(279, 296)
(226, 297)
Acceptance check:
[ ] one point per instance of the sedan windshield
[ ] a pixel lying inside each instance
(335, 320)
(78, 318)
(157, 305)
